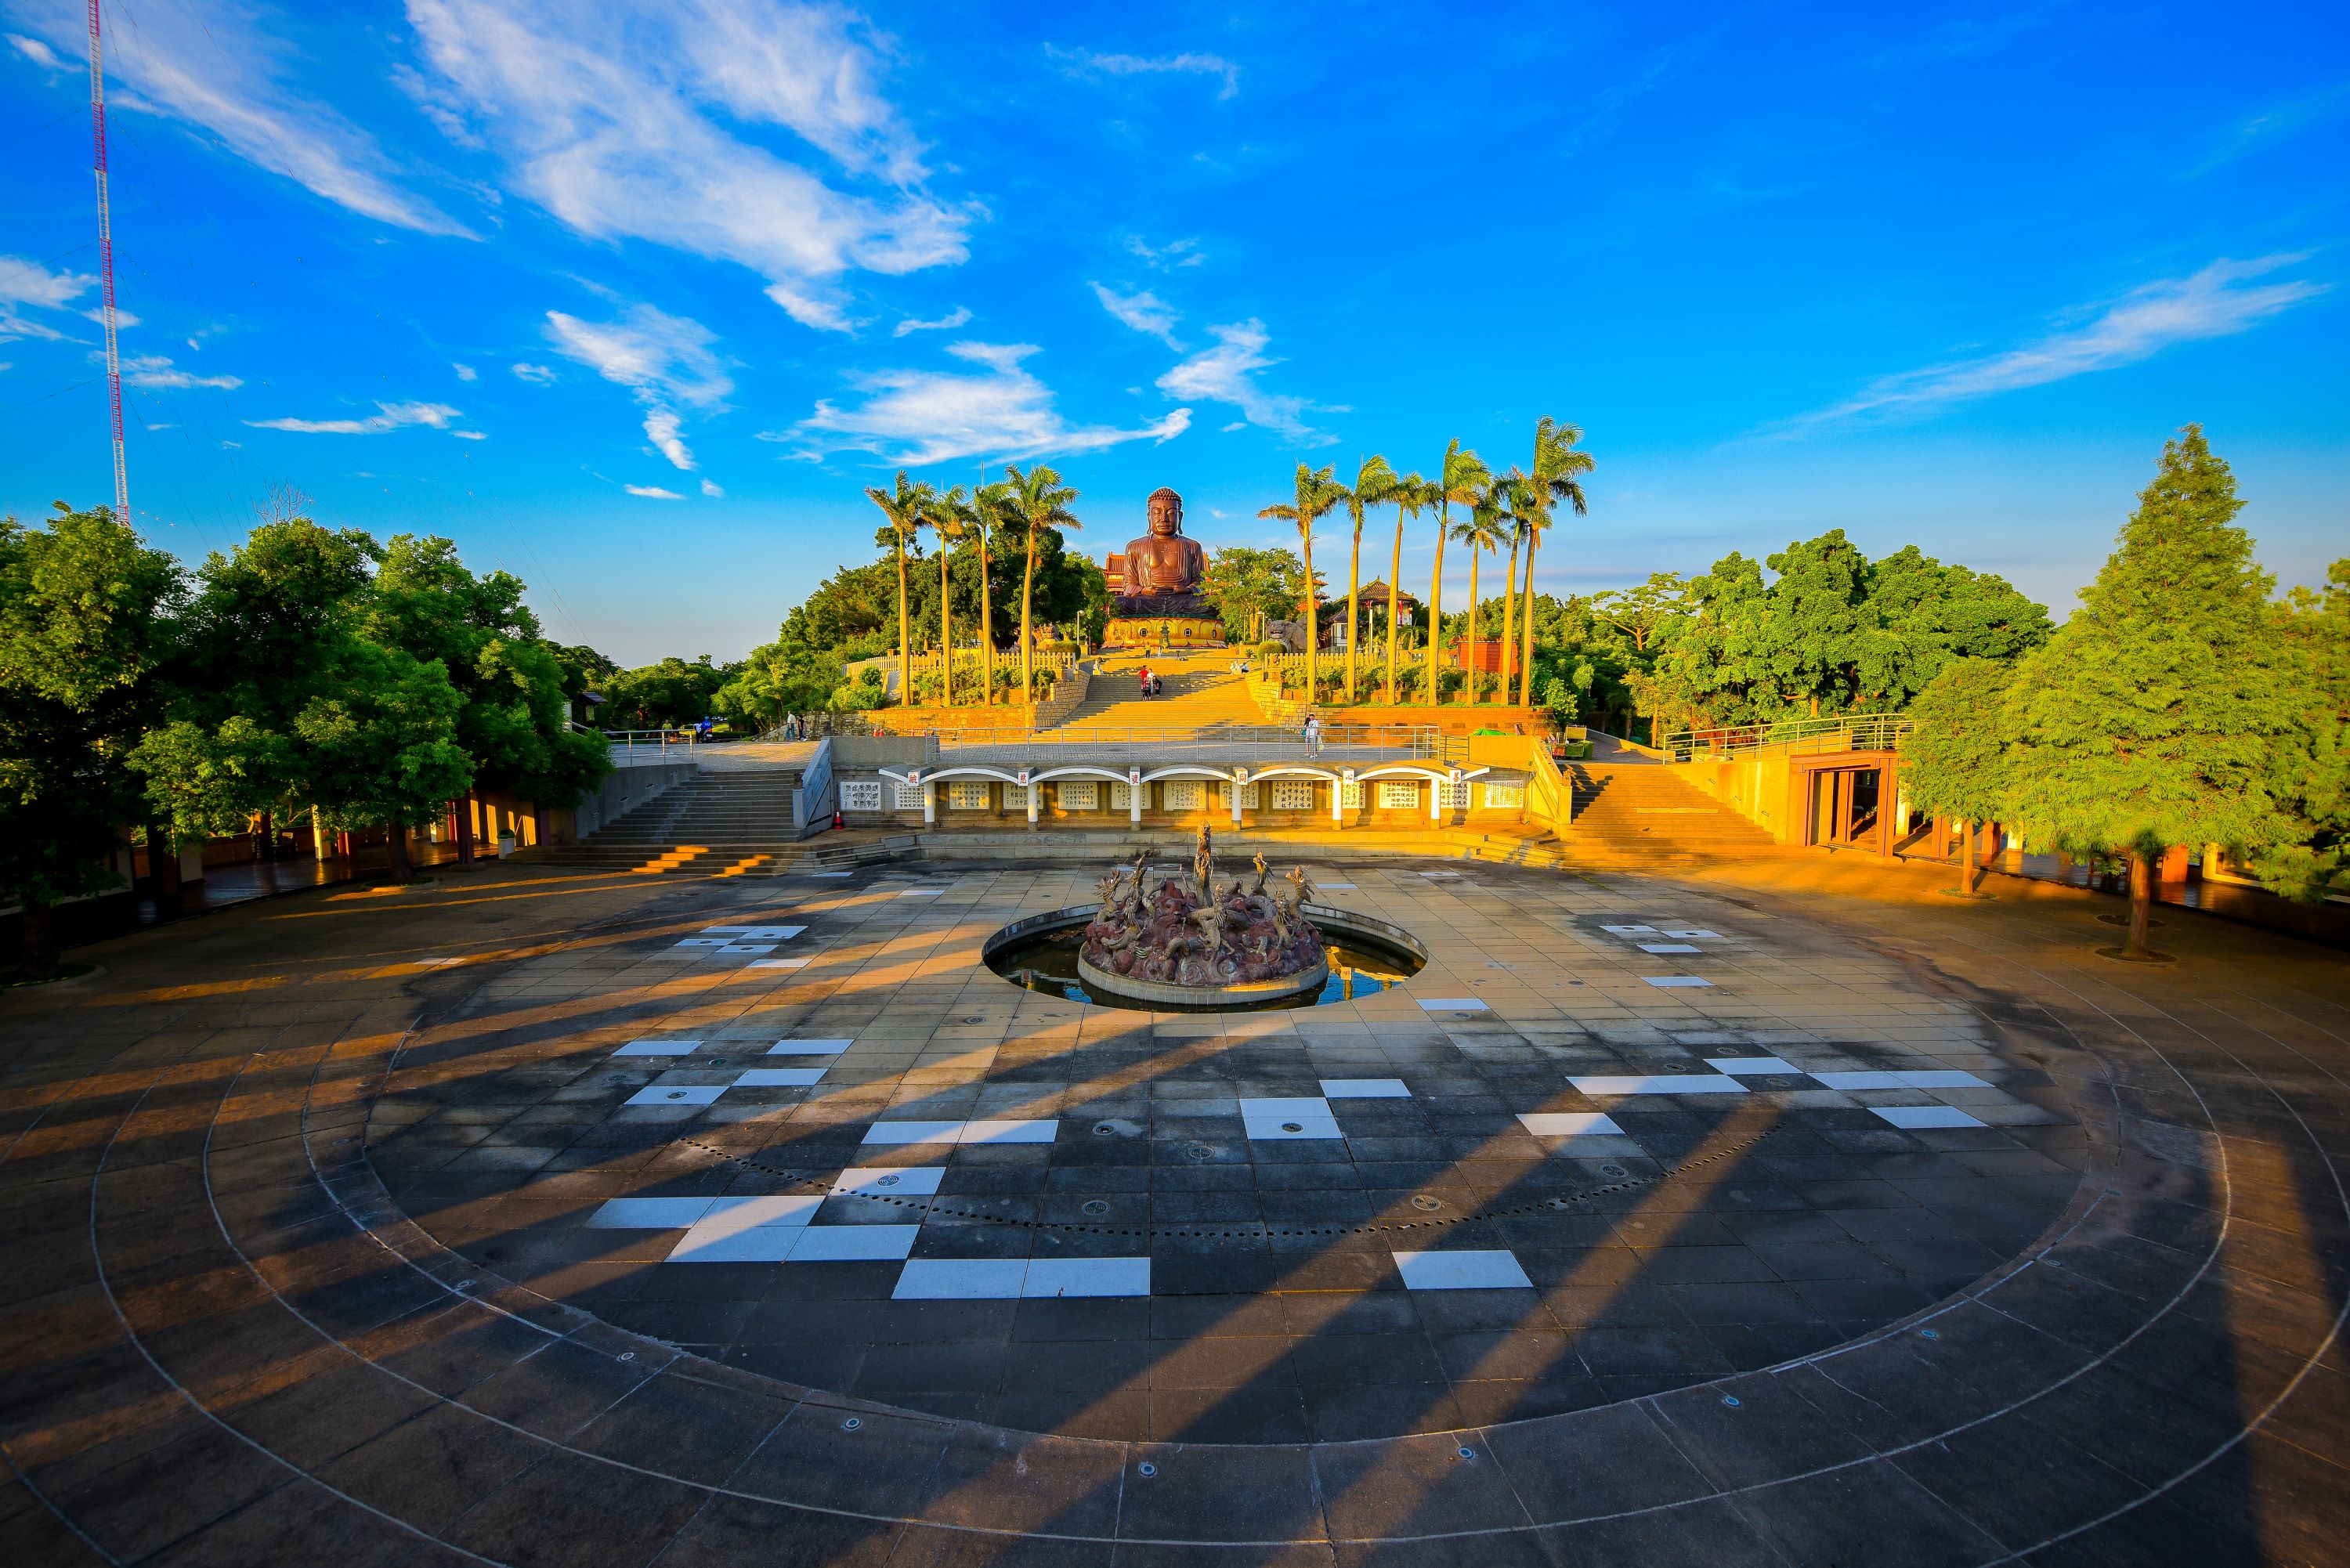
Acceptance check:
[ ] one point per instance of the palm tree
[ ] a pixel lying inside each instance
(986, 507)
(1317, 494)
(1033, 501)
(1462, 478)
(1374, 485)
(1506, 498)
(1409, 494)
(948, 516)
(1557, 476)
(905, 507)
(1481, 532)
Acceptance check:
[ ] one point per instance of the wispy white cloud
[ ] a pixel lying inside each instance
(998, 410)
(26, 281)
(467, 372)
(1169, 257)
(712, 490)
(623, 122)
(394, 416)
(39, 53)
(536, 375)
(470, 435)
(665, 358)
(946, 323)
(1144, 312)
(222, 66)
(661, 428)
(1080, 62)
(652, 492)
(2277, 122)
(158, 373)
(2216, 302)
(123, 320)
(1227, 374)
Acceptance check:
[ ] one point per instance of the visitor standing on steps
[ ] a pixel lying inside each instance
(1312, 734)
(1146, 680)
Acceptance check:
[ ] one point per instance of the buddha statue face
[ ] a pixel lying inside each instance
(1166, 508)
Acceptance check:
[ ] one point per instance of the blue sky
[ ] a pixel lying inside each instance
(634, 300)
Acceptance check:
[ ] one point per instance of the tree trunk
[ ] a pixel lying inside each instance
(396, 836)
(36, 949)
(465, 809)
(1312, 630)
(905, 635)
(162, 874)
(1468, 671)
(946, 632)
(1510, 621)
(1526, 629)
(1027, 600)
(264, 839)
(2141, 903)
(1395, 596)
(986, 621)
(1353, 614)
(1435, 604)
(1966, 856)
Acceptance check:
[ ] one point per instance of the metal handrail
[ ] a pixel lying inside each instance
(1837, 733)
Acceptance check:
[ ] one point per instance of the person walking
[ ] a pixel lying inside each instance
(1146, 680)
(1312, 734)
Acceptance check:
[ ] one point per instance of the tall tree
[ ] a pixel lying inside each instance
(1462, 478)
(1510, 497)
(1037, 502)
(948, 516)
(2314, 775)
(2156, 714)
(985, 502)
(1955, 763)
(905, 507)
(1409, 495)
(1556, 476)
(1319, 493)
(86, 622)
(1374, 485)
(1250, 586)
(1481, 531)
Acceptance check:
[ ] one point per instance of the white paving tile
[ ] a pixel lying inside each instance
(1659, 1083)
(1364, 1089)
(1333, 886)
(753, 933)
(676, 1095)
(707, 942)
(1938, 1078)
(766, 1209)
(809, 1047)
(961, 1279)
(761, 1244)
(1570, 1123)
(1452, 1004)
(778, 1078)
(855, 1243)
(922, 892)
(658, 1048)
(1695, 936)
(1668, 980)
(1288, 1118)
(962, 1132)
(1630, 931)
(1750, 1066)
(776, 963)
(827, 873)
(912, 1132)
(1086, 1277)
(891, 1181)
(648, 1213)
(1925, 1115)
(1669, 947)
(1460, 1270)
(748, 947)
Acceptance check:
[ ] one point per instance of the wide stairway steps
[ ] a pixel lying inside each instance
(723, 822)
(1632, 816)
(1201, 693)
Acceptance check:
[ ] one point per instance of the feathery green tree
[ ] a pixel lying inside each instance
(905, 507)
(2156, 715)
(1036, 504)
(1409, 494)
(1462, 477)
(1375, 485)
(1482, 530)
(1319, 493)
(1556, 476)
(1954, 764)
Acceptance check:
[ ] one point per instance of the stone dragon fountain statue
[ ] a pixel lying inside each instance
(1187, 932)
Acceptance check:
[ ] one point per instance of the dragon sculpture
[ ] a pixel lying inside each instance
(1185, 930)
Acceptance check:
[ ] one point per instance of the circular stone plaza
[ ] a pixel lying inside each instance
(1698, 1198)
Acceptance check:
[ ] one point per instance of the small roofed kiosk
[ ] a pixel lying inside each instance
(1386, 600)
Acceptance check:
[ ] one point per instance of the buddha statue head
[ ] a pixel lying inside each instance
(1166, 511)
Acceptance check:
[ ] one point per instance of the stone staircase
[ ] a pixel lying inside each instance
(1631, 815)
(732, 822)
(1201, 693)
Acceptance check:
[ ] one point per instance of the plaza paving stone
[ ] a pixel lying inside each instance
(362, 1226)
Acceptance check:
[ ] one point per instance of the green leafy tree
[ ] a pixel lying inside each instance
(2156, 714)
(1645, 614)
(1374, 486)
(1036, 504)
(950, 517)
(906, 508)
(86, 620)
(673, 692)
(378, 742)
(2314, 775)
(1955, 763)
(1250, 586)
(1410, 495)
(1482, 530)
(1556, 476)
(1319, 493)
(780, 678)
(1463, 477)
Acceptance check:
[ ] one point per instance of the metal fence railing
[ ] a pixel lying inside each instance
(1840, 733)
(1238, 743)
(652, 746)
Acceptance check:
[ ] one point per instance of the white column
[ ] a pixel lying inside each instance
(929, 804)
(1134, 798)
(1240, 783)
(1033, 791)
(1337, 806)
(1436, 800)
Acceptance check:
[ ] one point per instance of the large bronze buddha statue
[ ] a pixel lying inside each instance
(1163, 569)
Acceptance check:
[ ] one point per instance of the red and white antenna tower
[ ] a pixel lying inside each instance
(106, 264)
